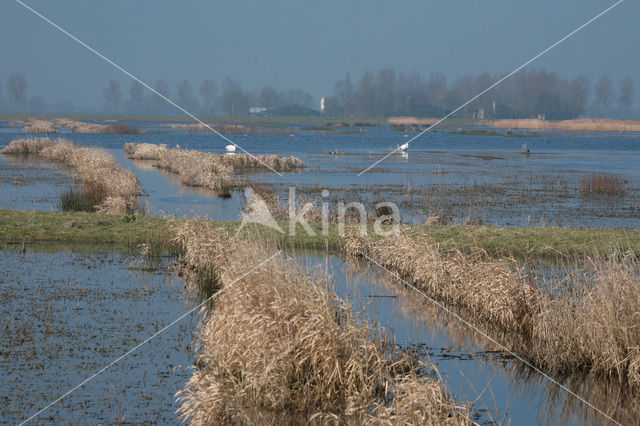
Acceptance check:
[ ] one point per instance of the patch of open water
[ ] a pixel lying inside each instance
(465, 177)
(67, 312)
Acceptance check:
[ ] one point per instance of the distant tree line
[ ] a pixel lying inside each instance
(208, 99)
(529, 93)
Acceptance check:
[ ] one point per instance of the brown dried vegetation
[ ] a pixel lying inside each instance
(205, 169)
(602, 185)
(279, 347)
(588, 323)
(40, 126)
(94, 167)
(578, 125)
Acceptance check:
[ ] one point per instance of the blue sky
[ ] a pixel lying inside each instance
(291, 44)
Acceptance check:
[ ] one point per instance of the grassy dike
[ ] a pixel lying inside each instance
(34, 226)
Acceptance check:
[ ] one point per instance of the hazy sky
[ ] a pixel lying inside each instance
(305, 44)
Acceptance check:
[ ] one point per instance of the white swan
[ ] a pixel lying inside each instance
(403, 147)
(231, 148)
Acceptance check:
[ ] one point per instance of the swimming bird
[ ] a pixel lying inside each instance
(231, 148)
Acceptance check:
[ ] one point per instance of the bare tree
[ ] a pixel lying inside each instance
(137, 95)
(344, 95)
(234, 100)
(366, 95)
(626, 94)
(604, 92)
(579, 94)
(185, 94)
(163, 88)
(269, 98)
(297, 97)
(17, 88)
(386, 89)
(208, 91)
(462, 91)
(437, 91)
(112, 94)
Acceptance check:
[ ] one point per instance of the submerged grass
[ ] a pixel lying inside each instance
(95, 168)
(280, 347)
(588, 323)
(602, 185)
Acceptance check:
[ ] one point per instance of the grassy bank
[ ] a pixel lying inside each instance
(34, 226)
(29, 225)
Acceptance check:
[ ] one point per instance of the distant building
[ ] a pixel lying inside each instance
(255, 110)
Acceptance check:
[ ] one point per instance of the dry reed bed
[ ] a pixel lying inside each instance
(588, 324)
(578, 125)
(40, 126)
(229, 129)
(79, 126)
(279, 347)
(412, 121)
(95, 168)
(614, 399)
(83, 127)
(207, 170)
(144, 151)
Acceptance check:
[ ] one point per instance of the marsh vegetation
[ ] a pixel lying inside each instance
(280, 346)
(208, 170)
(585, 322)
(102, 178)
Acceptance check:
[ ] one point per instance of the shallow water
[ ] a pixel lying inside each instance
(69, 311)
(501, 388)
(30, 184)
(483, 179)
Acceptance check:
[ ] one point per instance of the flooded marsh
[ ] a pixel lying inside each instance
(67, 312)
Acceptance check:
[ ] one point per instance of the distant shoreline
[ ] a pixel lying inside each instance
(577, 125)
(411, 123)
